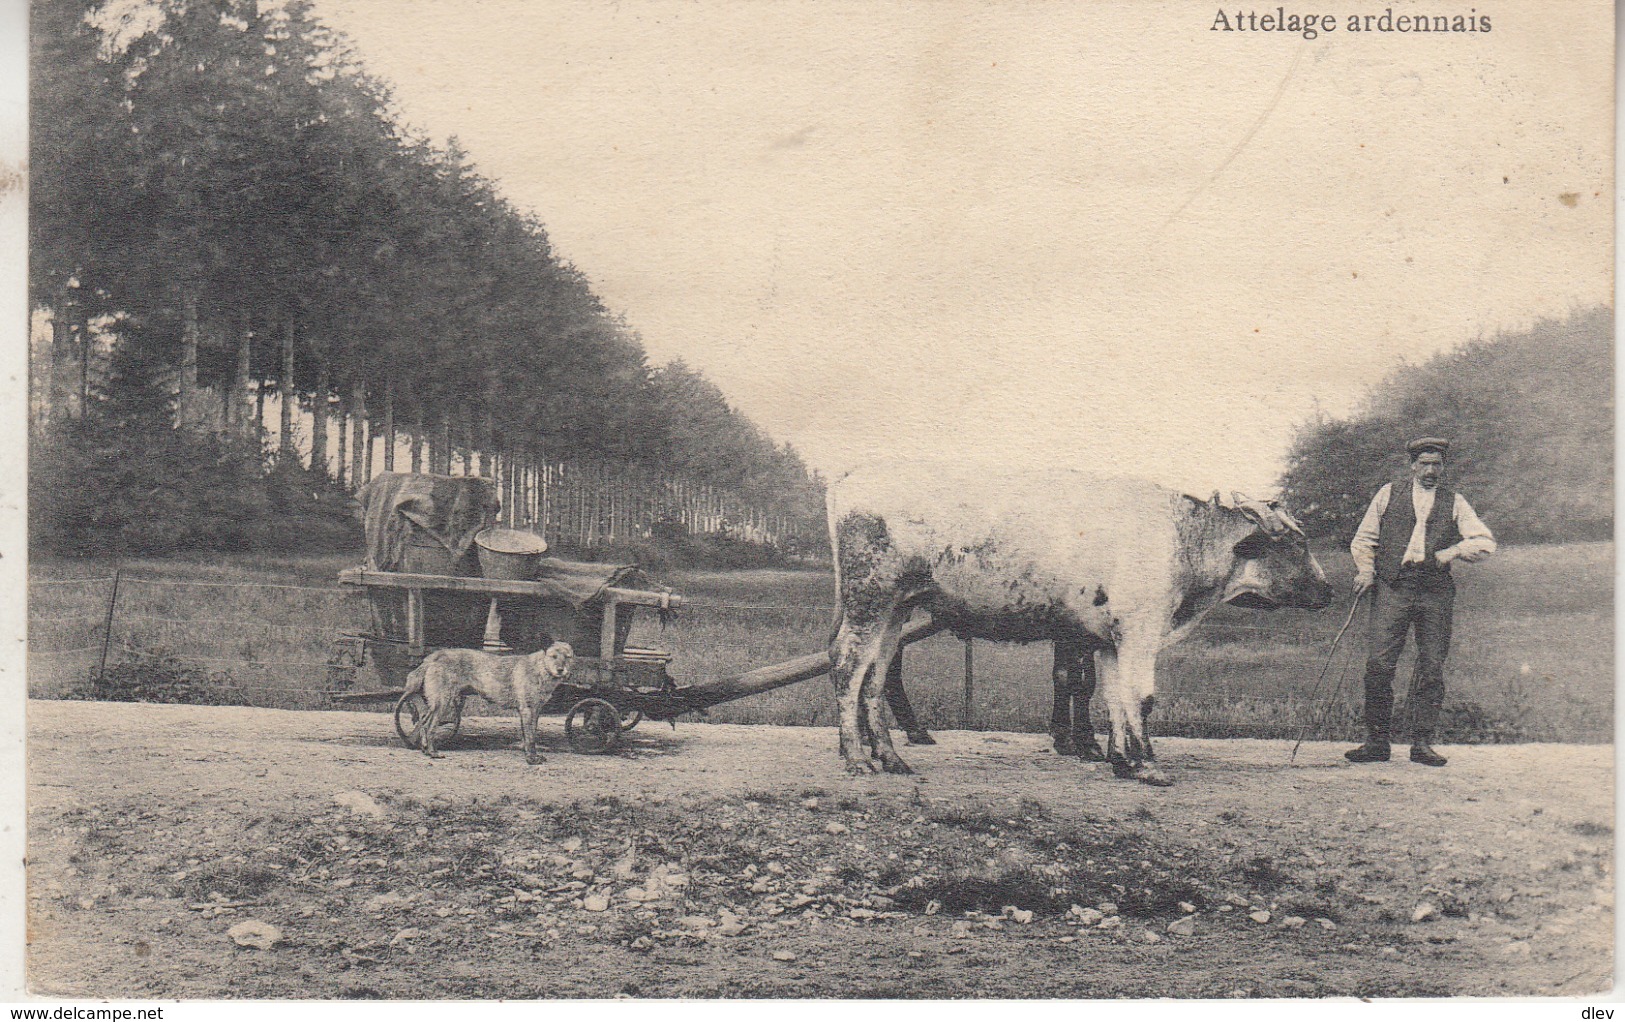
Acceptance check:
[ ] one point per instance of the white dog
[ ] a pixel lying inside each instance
(447, 675)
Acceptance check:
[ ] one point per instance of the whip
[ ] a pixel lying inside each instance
(1327, 666)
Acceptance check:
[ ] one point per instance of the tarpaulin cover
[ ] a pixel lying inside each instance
(449, 509)
(580, 583)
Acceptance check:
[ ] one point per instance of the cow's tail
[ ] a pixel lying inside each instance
(835, 559)
(835, 624)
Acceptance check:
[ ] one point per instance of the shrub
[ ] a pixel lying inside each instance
(109, 486)
(154, 676)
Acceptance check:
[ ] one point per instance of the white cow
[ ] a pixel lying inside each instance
(1056, 556)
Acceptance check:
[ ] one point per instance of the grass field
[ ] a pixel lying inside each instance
(1532, 657)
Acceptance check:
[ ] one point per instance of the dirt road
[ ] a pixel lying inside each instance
(725, 861)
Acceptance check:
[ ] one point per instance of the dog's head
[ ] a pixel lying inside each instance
(556, 659)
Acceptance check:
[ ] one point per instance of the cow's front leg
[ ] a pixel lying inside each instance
(1074, 681)
(1062, 680)
(1128, 675)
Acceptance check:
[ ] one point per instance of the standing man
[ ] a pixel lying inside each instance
(1406, 542)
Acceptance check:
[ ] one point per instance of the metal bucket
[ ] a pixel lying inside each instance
(509, 554)
(425, 555)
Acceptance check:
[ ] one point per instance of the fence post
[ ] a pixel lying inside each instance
(970, 685)
(107, 629)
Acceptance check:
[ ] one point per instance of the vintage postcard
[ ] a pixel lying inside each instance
(716, 499)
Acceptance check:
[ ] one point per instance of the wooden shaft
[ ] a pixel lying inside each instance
(790, 672)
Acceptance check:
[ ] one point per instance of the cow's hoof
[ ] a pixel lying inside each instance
(535, 760)
(1150, 773)
(862, 767)
(1090, 752)
(921, 738)
(1064, 746)
(433, 754)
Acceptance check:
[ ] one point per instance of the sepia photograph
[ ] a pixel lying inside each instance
(798, 500)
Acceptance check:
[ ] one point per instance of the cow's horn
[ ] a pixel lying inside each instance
(1286, 517)
(1259, 512)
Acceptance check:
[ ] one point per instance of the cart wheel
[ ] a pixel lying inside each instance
(593, 727)
(411, 709)
(631, 720)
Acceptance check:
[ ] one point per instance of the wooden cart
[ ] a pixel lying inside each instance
(604, 696)
(610, 689)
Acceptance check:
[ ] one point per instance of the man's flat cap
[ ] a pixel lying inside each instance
(1427, 443)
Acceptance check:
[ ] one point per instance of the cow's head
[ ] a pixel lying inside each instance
(1273, 565)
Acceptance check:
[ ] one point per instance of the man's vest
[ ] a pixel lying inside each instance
(1394, 535)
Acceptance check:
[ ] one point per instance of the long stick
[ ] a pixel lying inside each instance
(970, 686)
(107, 632)
(1324, 667)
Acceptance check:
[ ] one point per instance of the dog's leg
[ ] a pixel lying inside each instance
(426, 728)
(529, 710)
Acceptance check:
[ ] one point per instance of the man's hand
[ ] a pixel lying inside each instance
(1363, 581)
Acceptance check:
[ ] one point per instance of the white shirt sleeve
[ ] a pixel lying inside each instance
(1364, 547)
(1476, 541)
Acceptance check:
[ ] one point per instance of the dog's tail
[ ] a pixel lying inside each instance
(414, 681)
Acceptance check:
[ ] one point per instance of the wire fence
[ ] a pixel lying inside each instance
(279, 645)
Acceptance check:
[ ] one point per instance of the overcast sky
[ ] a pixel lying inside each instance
(1087, 234)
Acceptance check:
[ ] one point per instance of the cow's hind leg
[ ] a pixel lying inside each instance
(874, 696)
(852, 666)
(1125, 688)
(902, 710)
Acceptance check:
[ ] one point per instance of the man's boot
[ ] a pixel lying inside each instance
(1063, 741)
(1372, 751)
(1422, 752)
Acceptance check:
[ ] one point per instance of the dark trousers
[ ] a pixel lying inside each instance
(1395, 611)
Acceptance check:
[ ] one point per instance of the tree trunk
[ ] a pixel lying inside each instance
(340, 471)
(358, 435)
(488, 449)
(318, 419)
(285, 445)
(86, 349)
(417, 444)
(465, 427)
(389, 426)
(239, 403)
(54, 386)
(186, 405)
(366, 474)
